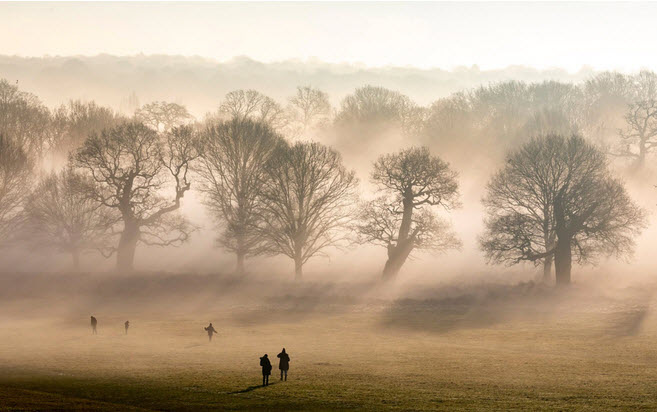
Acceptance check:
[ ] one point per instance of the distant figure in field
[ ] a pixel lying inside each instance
(127, 325)
(210, 331)
(266, 369)
(283, 363)
(94, 323)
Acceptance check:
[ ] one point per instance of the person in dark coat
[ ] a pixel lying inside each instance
(94, 323)
(210, 330)
(127, 325)
(266, 369)
(283, 363)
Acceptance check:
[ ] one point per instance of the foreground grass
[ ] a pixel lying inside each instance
(406, 355)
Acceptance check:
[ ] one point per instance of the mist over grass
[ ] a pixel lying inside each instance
(354, 345)
(450, 332)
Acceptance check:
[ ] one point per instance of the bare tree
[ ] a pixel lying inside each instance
(24, 120)
(306, 202)
(74, 122)
(15, 178)
(380, 107)
(272, 113)
(370, 103)
(412, 181)
(380, 223)
(500, 115)
(372, 117)
(131, 165)
(232, 170)
(550, 121)
(556, 197)
(162, 116)
(520, 223)
(311, 107)
(241, 103)
(639, 137)
(251, 104)
(60, 215)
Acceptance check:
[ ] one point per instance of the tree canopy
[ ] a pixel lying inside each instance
(232, 170)
(411, 182)
(130, 166)
(556, 197)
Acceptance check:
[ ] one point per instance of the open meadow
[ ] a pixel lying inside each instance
(352, 346)
(428, 205)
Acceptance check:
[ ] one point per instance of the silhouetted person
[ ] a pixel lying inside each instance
(283, 363)
(94, 323)
(210, 330)
(127, 325)
(266, 369)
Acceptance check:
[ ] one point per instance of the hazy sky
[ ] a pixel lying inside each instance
(492, 35)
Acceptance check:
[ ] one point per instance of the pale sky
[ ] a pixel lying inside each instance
(619, 36)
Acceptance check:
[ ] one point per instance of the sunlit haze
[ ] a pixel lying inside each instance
(445, 35)
(332, 206)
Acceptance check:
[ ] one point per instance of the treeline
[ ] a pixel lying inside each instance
(274, 187)
(126, 82)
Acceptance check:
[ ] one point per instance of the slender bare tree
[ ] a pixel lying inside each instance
(311, 107)
(379, 107)
(370, 103)
(60, 215)
(15, 179)
(556, 197)
(24, 120)
(639, 137)
(72, 123)
(130, 166)
(241, 103)
(307, 199)
(251, 104)
(411, 181)
(163, 116)
(232, 171)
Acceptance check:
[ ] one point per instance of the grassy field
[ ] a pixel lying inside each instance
(501, 348)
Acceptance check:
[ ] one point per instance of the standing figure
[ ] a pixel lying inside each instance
(266, 369)
(127, 325)
(94, 323)
(210, 330)
(283, 363)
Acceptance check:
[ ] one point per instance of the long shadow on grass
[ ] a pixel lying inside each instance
(306, 302)
(472, 308)
(251, 388)
(628, 323)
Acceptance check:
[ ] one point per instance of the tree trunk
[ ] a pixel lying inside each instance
(407, 219)
(547, 263)
(563, 261)
(391, 269)
(547, 269)
(125, 256)
(240, 263)
(397, 256)
(298, 268)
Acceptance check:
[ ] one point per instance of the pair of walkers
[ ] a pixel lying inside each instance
(283, 365)
(94, 326)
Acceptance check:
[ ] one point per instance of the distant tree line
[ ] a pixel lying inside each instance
(273, 188)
